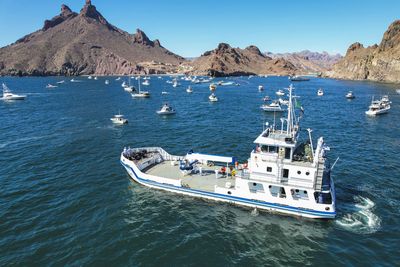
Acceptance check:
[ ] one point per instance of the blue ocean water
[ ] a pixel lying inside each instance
(66, 200)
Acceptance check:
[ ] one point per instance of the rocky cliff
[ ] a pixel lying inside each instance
(85, 43)
(377, 63)
(228, 61)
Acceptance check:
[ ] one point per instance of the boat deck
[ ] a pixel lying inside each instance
(205, 182)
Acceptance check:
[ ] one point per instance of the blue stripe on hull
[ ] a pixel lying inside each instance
(299, 211)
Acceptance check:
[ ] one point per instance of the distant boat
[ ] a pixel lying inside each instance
(166, 110)
(51, 86)
(141, 94)
(146, 82)
(350, 95)
(275, 106)
(189, 90)
(226, 83)
(75, 81)
(266, 98)
(213, 87)
(119, 78)
(320, 92)
(7, 95)
(89, 77)
(378, 107)
(60, 82)
(95, 78)
(119, 119)
(398, 91)
(106, 82)
(297, 78)
(213, 98)
(260, 88)
(164, 93)
(280, 93)
(175, 84)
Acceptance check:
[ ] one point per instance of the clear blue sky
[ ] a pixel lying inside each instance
(191, 27)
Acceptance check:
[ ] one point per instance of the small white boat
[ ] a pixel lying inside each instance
(280, 93)
(169, 81)
(166, 110)
(90, 77)
(60, 82)
(189, 90)
(175, 84)
(260, 88)
(140, 93)
(226, 83)
(350, 95)
(266, 98)
(7, 95)
(124, 84)
(275, 106)
(119, 119)
(283, 102)
(75, 81)
(377, 108)
(398, 91)
(164, 93)
(51, 86)
(95, 78)
(213, 87)
(297, 78)
(106, 82)
(146, 82)
(213, 98)
(119, 78)
(320, 92)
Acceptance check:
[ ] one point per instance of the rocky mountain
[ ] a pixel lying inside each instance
(85, 43)
(308, 61)
(377, 63)
(228, 61)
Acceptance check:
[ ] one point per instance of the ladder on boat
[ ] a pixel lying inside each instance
(320, 174)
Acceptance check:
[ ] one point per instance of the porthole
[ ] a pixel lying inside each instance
(307, 173)
(254, 184)
(297, 190)
(305, 192)
(327, 208)
(270, 186)
(299, 172)
(229, 193)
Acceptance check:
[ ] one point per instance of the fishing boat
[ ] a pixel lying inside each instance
(213, 98)
(280, 93)
(260, 88)
(140, 93)
(213, 87)
(350, 95)
(377, 107)
(49, 86)
(189, 90)
(385, 101)
(8, 96)
(320, 92)
(166, 110)
(119, 119)
(275, 106)
(298, 78)
(282, 174)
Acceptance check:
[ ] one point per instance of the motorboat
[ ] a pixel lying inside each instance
(189, 90)
(280, 93)
(385, 100)
(213, 98)
(350, 95)
(164, 93)
(284, 173)
(226, 83)
(106, 82)
(95, 78)
(7, 95)
(320, 92)
(266, 98)
(146, 82)
(213, 87)
(61, 82)
(275, 106)
(49, 86)
(260, 88)
(377, 108)
(175, 83)
(119, 78)
(90, 77)
(166, 110)
(119, 119)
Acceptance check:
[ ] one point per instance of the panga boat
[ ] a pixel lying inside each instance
(281, 175)
(189, 90)
(275, 106)
(166, 110)
(119, 119)
(213, 98)
(350, 95)
(7, 95)
(378, 107)
(320, 92)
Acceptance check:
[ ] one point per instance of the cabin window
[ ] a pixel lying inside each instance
(323, 198)
(264, 148)
(256, 187)
(277, 191)
(287, 153)
(297, 194)
(269, 169)
(285, 173)
(272, 149)
(282, 193)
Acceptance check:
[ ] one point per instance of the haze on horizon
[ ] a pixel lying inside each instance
(191, 28)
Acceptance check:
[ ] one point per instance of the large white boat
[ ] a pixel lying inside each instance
(275, 106)
(166, 110)
(282, 174)
(119, 119)
(320, 92)
(350, 95)
(378, 107)
(7, 95)
(213, 98)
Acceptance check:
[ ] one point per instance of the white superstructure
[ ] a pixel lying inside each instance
(282, 174)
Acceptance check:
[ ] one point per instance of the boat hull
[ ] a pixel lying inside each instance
(137, 176)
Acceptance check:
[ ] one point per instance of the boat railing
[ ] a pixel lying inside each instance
(164, 154)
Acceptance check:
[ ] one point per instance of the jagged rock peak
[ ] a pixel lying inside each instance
(391, 37)
(223, 46)
(141, 38)
(90, 11)
(65, 11)
(65, 14)
(157, 42)
(354, 47)
(254, 49)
